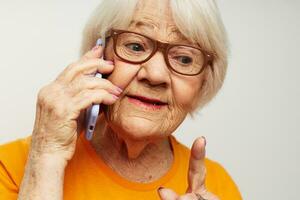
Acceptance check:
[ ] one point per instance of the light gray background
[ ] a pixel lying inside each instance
(252, 127)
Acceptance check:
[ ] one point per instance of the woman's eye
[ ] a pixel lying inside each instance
(184, 59)
(135, 47)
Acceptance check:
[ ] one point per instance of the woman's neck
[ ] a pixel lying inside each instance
(139, 161)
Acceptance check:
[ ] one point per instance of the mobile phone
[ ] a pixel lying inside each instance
(93, 111)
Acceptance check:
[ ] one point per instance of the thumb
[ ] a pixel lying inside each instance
(167, 194)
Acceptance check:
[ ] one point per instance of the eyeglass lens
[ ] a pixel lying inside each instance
(137, 48)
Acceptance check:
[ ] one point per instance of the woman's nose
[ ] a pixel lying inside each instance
(155, 71)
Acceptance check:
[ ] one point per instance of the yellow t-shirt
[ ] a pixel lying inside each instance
(87, 177)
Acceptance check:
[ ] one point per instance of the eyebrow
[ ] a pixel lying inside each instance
(139, 23)
(152, 25)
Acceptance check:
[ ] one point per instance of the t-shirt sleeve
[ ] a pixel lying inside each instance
(8, 189)
(13, 157)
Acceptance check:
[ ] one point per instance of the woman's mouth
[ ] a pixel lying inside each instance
(146, 102)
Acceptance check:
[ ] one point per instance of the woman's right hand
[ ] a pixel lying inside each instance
(62, 103)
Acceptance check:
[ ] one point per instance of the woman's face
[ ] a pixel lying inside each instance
(134, 115)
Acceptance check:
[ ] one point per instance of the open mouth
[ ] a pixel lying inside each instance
(145, 101)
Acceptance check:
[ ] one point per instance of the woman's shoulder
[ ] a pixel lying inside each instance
(13, 156)
(19, 146)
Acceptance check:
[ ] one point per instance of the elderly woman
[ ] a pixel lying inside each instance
(162, 60)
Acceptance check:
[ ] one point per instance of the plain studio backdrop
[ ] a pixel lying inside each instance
(252, 126)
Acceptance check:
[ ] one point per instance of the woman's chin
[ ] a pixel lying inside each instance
(137, 128)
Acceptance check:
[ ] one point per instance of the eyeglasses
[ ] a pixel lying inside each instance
(137, 48)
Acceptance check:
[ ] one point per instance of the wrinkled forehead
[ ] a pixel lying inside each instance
(154, 18)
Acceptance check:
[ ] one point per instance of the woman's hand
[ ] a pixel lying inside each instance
(62, 103)
(196, 177)
(59, 115)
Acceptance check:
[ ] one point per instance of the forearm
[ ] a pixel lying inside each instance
(43, 178)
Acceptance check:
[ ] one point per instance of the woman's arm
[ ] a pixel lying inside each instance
(59, 114)
(43, 178)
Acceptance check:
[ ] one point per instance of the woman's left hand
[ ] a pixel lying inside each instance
(196, 177)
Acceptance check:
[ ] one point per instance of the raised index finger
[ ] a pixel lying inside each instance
(197, 170)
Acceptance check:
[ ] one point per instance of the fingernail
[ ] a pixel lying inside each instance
(109, 62)
(117, 91)
(160, 188)
(120, 89)
(115, 97)
(95, 48)
(204, 140)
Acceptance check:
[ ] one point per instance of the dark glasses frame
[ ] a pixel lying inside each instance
(164, 48)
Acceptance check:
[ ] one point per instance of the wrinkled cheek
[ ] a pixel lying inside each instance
(123, 73)
(174, 117)
(186, 100)
(186, 94)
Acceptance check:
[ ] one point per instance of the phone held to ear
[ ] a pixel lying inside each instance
(93, 111)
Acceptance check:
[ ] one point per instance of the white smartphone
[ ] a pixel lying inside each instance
(93, 111)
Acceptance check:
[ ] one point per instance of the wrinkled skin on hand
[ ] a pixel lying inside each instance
(61, 104)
